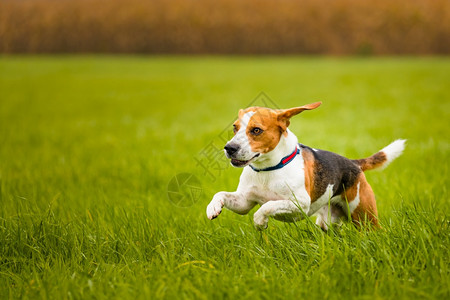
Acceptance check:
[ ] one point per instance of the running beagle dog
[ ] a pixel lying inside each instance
(290, 180)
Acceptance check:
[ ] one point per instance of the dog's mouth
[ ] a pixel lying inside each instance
(242, 163)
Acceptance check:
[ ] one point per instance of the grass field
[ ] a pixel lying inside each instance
(90, 144)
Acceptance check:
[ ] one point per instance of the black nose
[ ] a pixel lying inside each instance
(231, 148)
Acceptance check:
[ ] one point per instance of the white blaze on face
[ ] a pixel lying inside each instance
(245, 152)
(241, 135)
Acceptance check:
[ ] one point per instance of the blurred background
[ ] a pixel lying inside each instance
(338, 27)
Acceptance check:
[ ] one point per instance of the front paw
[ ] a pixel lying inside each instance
(260, 221)
(214, 208)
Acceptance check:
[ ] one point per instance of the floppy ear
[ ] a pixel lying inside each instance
(285, 114)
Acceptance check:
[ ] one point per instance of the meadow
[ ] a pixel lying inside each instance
(89, 145)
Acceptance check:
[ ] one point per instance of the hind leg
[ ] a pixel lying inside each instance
(361, 203)
(329, 215)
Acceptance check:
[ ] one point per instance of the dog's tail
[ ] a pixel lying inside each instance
(382, 158)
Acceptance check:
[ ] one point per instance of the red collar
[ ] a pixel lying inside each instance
(284, 161)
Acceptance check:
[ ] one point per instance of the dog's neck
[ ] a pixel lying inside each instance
(286, 146)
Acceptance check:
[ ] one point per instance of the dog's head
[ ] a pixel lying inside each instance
(258, 130)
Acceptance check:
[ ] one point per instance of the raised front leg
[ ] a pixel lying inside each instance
(283, 210)
(234, 201)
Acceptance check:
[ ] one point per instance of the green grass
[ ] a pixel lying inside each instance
(89, 145)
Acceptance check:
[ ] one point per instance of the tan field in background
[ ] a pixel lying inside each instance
(339, 27)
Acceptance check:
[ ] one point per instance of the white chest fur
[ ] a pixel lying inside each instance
(285, 183)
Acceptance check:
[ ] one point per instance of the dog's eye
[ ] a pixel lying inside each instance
(256, 131)
(235, 129)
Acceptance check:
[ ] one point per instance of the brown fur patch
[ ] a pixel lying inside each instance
(285, 115)
(367, 208)
(309, 167)
(375, 161)
(267, 120)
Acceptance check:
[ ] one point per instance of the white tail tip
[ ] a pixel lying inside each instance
(393, 150)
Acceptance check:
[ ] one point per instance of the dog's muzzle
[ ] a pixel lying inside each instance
(242, 163)
(231, 149)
